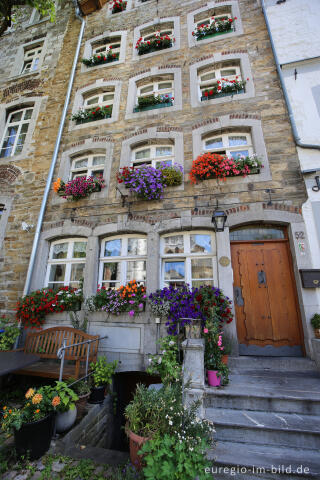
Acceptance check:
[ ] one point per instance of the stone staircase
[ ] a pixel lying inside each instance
(267, 420)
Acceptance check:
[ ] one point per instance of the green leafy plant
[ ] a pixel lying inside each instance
(315, 321)
(67, 397)
(172, 175)
(166, 364)
(167, 458)
(100, 59)
(9, 334)
(150, 100)
(81, 388)
(92, 114)
(103, 371)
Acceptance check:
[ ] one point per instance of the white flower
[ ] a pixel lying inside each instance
(159, 360)
(171, 343)
(60, 293)
(170, 422)
(150, 360)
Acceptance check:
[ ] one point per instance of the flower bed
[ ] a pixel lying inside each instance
(147, 182)
(130, 298)
(79, 187)
(155, 44)
(224, 88)
(101, 59)
(213, 165)
(217, 27)
(118, 6)
(92, 114)
(153, 101)
(32, 308)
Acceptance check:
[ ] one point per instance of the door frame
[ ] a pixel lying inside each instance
(286, 241)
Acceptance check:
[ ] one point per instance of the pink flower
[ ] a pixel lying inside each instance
(140, 305)
(205, 330)
(131, 313)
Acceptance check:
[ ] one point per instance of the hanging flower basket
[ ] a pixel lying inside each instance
(118, 6)
(213, 165)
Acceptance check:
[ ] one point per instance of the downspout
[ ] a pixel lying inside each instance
(296, 137)
(54, 155)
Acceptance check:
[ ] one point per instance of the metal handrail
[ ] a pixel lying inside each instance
(61, 353)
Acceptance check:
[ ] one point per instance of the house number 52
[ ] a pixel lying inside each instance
(299, 235)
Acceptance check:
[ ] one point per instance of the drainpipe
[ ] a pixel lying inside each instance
(55, 154)
(296, 136)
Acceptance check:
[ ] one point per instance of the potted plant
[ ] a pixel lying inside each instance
(82, 389)
(33, 423)
(217, 371)
(216, 27)
(107, 57)
(79, 187)
(153, 101)
(158, 42)
(166, 364)
(315, 322)
(92, 114)
(101, 376)
(9, 332)
(224, 88)
(66, 410)
(118, 6)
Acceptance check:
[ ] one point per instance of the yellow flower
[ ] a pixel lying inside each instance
(30, 393)
(5, 416)
(56, 401)
(4, 408)
(37, 398)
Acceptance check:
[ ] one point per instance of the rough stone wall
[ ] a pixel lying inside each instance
(22, 179)
(266, 105)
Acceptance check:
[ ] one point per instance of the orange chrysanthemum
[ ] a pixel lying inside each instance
(57, 184)
(30, 393)
(37, 411)
(37, 399)
(55, 401)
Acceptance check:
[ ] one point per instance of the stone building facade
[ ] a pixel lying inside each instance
(32, 85)
(264, 209)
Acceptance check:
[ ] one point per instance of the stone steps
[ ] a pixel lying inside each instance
(267, 417)
(226, 455)
(266, 428)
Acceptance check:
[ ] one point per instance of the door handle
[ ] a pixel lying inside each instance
(262, 278)
(238, 298)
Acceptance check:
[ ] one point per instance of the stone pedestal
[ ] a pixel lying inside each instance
(193, 373)
(315, 342)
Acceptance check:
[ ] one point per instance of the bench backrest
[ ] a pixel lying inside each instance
(47, 342)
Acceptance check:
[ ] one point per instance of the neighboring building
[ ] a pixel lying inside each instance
(256, 259)
(297, 42)
(33, 69)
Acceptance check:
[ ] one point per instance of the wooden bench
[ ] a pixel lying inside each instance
(45, 345)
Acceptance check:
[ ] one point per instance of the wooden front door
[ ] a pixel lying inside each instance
(267, 313)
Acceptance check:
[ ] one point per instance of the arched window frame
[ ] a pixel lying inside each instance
(227, 149)
(154, 159)
(218, 74)
(122, 260)
(69, 261)
(88, 169)
(187, 257)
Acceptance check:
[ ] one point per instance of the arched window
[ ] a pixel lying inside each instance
(231, 143)
(148, 153)
(66, 262)
(122, 258)
(15, 132)
(88, 165)
(100, 99)
(188, 258)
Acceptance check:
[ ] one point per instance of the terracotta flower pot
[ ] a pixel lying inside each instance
(317, 332)
(224, 359)
(136, 443)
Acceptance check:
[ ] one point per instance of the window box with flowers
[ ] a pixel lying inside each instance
(212, 165)
(214, 26)
(130, 298)
(118, 6)
(148, 182)
(154, 43)
(106, 57)
(152, 102)
(92, 114)
(224, 88)
(32, 308)
(79, 187)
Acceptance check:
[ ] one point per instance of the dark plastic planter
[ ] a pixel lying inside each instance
(214, 34)
(33, 439)
(88, 120)
(152, 49)
(97, 394)
(152, 107)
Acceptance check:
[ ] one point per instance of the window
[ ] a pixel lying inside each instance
(104, 99)
(66, 263)
(123, 259)
(152, 155)
(230, 144)
(88, 165)
(164, 88)
(257, 232)
(208, 20)
(188, 258)
(106, 44)
(212, 77)
(31, 59)
(16, 129)
(161, 33)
